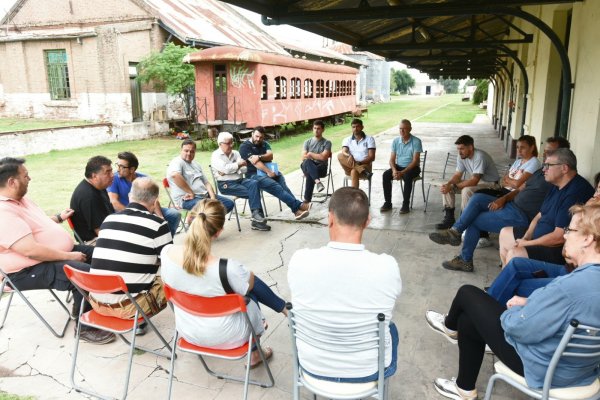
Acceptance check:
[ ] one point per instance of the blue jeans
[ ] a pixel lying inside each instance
(172, 216)
(477, 218)
(189, 204)
(244, 188)
(389, 370)
(518, 277)
(312, 171)
(278, 188)
(262, 294)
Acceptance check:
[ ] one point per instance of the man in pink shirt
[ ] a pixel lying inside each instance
(33, 247)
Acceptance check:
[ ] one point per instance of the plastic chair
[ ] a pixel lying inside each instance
(314, 333)
(450, 162)
(420, 177)
(8, 288)
(233, 198)
(216, 307)
(75, 234)
(87, 282)
(329, 177)
(579, 341)
(172, 204)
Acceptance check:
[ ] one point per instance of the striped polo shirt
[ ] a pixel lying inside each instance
(129, 245)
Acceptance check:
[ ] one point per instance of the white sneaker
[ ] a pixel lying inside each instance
(436, 321)
(448, 388)
(484, 242)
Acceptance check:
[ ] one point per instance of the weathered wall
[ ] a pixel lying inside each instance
(44, 140)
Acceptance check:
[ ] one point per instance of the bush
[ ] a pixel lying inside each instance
(481, 92)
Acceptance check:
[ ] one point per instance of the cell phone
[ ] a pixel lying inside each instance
(540, 274)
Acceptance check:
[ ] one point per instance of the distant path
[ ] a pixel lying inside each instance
(433, 110)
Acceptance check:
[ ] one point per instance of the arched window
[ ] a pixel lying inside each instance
(308, 89)
(264, 94)
(354, 88)
(320, 88)
(298, 88)
(327, 88)
(348, 88)
(280, 87)
(292, 86)
(336, 88)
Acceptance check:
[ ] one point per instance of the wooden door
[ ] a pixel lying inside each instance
(220, 89)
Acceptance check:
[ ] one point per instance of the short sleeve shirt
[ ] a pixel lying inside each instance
(91, 207)
(248, 149)
(359, 149)
(405, 152)
(122, 187)
(313, 145)
(530, 198)
(193, 175)
(518, 168)
(555, 208)
(24, 218)
(481, 163)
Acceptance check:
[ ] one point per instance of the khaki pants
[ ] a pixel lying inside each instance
(449, 199)
(151, 302)
(355, 171)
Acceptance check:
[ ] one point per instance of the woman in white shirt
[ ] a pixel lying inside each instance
(192, 268)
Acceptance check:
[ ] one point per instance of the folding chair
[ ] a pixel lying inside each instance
(347, 178)
(87, 282)
(420, 177)
(329, 177)
(184, 212)
(578, 341)
(75, 234)
(216, 307)
(313, 333)
(7, 288)
(450, 162)
(232, 198)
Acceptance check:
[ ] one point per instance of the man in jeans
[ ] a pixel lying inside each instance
(315, 160)
(404, 164)
(129, 245)
(344, 284)
(257, 152)
(228, 167)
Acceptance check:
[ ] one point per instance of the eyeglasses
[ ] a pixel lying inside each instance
(121, 166)
(568, 230)
(548, 165)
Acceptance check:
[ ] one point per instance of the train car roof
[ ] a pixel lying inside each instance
(232, 53)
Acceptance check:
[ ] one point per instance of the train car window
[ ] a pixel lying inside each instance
(292, 86)
(348, 87)
(320, 88)
(308, 88)
(327, 88)
(342, 88)
(264, 87)
(337, 88)
(284, 88)
(298, 88)
(354, 88)
(280, 87)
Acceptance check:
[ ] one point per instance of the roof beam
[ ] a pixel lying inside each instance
(485, 44)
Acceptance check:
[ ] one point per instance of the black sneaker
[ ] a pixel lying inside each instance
(386, 207)
(320, 186)
(96, 336)
(257, 215)
(458, 264)
(405, 209)
(258, 226)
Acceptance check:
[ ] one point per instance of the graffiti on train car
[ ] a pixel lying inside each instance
(240, 75)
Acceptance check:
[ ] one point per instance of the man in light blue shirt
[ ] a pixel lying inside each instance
(404, 164)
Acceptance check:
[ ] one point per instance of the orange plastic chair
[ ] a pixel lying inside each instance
(87, 282)
(7, 288)
(75, 234)
(216, 307)
(172, 204)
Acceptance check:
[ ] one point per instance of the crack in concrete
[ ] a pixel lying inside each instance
(280, 253)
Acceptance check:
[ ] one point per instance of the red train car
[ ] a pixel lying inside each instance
(247, 88)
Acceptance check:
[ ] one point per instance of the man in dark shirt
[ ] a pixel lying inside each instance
(90, 201)
(258, 154)
(486, 213)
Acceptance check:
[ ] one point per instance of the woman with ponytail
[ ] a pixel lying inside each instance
(192, 268)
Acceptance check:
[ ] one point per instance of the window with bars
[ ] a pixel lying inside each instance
(58, 74)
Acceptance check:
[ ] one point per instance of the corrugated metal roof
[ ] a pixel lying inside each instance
(210, 22)
(320, 52)
(344, 48)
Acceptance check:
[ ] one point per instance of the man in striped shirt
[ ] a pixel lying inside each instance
(129, 245)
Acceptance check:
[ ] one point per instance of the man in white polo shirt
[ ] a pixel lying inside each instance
(358, 154)
(345, 285)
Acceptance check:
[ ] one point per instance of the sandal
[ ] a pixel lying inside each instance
(268, 352)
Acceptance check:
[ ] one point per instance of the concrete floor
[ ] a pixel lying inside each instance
(32, 362)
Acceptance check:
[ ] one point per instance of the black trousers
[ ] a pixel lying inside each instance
(50, 274)
(476, 317)
(408, 180)
(313, 171)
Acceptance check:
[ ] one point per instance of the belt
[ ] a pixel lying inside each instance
(113, 306)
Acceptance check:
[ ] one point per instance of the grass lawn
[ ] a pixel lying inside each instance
(55, 174)
(24, 124)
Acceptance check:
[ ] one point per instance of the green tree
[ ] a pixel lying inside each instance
(403, 81)
(166, 71)
(393, 86)
(481, 92)
(450, 85)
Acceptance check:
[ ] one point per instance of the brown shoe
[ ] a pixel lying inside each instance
(96, 336)
(300, 214)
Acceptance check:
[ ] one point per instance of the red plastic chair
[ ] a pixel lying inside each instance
(87, 282)
(216, 307)
(172, 204)
(7, 287)
(75, 234)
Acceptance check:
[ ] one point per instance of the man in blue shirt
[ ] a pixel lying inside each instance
(404, 164)
(258, 153)
(118, 192)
